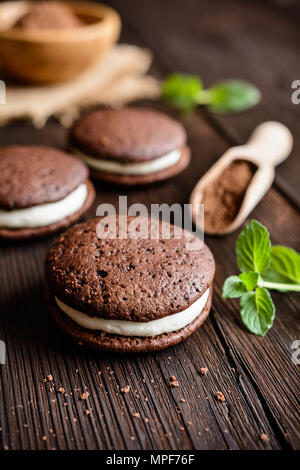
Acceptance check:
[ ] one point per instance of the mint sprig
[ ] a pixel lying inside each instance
(263, 267)
(185, 92)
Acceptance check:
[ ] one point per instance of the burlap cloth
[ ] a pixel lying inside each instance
(120, 77)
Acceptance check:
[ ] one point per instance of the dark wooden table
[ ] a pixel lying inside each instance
(221, 39)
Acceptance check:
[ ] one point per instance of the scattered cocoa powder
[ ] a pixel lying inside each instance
(223, 197)
(48, 15)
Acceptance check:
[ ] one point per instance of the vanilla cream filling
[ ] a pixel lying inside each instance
(170, 323)
(44, 214)
(144, 168)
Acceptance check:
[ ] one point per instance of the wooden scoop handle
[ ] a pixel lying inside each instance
(270, 143)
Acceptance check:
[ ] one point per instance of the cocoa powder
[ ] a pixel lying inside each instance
(48, 15)
(222, 198)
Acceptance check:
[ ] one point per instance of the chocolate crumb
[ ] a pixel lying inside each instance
(173, 381)
(220, 396)
(174, 384)
(84, 395)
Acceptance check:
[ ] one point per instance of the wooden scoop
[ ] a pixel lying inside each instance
(269, 145)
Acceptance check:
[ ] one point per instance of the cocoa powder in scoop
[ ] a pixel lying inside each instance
(48, 15)
(223, 197)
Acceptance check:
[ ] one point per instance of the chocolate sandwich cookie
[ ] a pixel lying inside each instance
(128, 295)
(130, 146)
(42, 190)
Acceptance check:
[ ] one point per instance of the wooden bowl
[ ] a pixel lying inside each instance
(45, 56)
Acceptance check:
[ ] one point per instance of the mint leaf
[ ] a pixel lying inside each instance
(233, 287)
(249, 279)
(257, 311)
(182, 91)
(233, 95)
(253, 248)
(284, 266)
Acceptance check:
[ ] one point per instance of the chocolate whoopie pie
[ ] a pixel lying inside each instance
(128, 295)
(42, 190)
(130, 146)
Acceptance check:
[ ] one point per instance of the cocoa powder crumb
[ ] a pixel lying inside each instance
(223, 197)
(203, 370)
(125, 389)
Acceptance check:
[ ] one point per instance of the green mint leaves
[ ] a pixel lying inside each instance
(182, 91)
(233, 96)
(253, 248)
(263, 267)
(257, 311)
(284, 266)
(185, 92)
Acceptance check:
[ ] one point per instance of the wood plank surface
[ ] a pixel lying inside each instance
(256, 375)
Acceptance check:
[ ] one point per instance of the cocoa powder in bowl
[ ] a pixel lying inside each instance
(223, 197)
(48, 15)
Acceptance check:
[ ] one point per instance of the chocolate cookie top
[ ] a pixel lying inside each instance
(33, 175)
(127, 279)
(128, 134)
